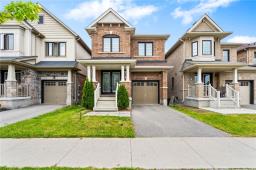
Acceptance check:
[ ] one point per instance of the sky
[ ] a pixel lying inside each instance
(172, 17)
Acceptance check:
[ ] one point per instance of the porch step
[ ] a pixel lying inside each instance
(106, 104)
(224, 103)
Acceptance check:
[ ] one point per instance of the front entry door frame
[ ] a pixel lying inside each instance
(112, 91)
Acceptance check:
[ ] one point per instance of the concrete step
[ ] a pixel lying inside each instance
(105, 109)
(107, 98)
(106, 103)
(224, 103)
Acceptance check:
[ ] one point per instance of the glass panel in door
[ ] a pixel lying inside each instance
(106, 81)
(115, 80)
(207, 79)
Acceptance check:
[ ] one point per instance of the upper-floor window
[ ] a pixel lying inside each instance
(254, 60)
(41, 19)
(207, 47)
(7, 41)
(195, 48)
(145, 48)
(226, 55)
(111, 43)
(55, 48)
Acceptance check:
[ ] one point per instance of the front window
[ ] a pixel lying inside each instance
(226, 55)
(207, 47)
(7, 41)
(111, 43)
(145, 48)
(55, 49)
(195, 48)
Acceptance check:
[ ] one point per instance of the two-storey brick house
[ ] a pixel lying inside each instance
(39, 62)
(207, 72)
(121, 56)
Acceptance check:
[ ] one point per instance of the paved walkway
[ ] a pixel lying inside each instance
(160, 153)
(227, 111)
(15, 115)
(162, 121)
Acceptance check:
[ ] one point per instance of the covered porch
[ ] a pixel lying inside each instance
(208, 86)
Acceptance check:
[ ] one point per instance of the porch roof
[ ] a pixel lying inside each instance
(56, 65)
(211, 66)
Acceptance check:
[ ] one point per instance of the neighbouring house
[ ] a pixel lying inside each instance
(208, 73)
(247, 54)
(119, 56)
(39, 62)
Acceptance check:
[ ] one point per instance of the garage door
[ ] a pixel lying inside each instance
(145, 92)
(244, 92)
(55, 92)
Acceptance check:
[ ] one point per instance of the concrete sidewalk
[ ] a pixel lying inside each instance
(160, 153)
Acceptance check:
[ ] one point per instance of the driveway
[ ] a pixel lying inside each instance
(16, 115)
(162, 121)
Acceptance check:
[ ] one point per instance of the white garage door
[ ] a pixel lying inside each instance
(55, 92)
(244, 92)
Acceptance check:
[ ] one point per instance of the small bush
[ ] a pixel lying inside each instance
(88, 95)
(122, 98)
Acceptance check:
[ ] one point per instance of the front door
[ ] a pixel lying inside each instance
(207, 78)
(109, 81)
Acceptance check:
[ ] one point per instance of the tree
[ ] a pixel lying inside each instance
(20, 11)
(88, 95)
(122, 98)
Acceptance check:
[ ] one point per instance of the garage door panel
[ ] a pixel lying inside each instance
(55, 92)
(145, 92)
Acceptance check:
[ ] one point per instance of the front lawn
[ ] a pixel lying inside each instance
(66, 122)
(237, 125)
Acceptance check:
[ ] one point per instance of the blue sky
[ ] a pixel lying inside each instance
(172, 17)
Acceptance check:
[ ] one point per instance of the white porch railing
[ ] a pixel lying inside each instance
(191, 91)
(22, 90)
(96, 94)
(232, 94)
(214, 94)
(117, 86)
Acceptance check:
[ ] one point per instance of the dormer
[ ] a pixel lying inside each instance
(203, 40)
(111, 35)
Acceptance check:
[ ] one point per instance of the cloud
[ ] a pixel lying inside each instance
(127, 8)
(204, 6)
(242, 39)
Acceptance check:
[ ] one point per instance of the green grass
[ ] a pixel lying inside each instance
(65, 122)
(65, 168)
(237, 125)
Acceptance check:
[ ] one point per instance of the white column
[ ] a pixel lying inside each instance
(235, 78)
(127, 73)
(69, 76)
(28, 39)
(89, 73)
(199, 75)
(69, 88)
(11, 76)
(122, 73)
(93, 74)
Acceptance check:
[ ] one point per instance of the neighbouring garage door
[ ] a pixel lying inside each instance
(244, 92)
(145, 92)
(55, 92)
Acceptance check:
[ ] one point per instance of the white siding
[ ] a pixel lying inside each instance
(81, 53)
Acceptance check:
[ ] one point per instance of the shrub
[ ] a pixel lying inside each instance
(88, 95)
(122, 98)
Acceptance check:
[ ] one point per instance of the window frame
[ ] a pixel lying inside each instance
(194, 42)
(53, 49)
(111, 36)
(145, 50)
(41, 15)
(6, 41)
(228, 50)
(203, 47)
(254, 54)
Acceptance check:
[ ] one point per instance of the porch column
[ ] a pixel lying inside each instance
(10, 82)
(127, 73)
(89, 72)
(69, 88)
(199, 85)
(199, 75)
(235, 80)
(93, 73)
(122, 73)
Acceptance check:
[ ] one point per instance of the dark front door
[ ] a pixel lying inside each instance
(109, 81)
(207, 78)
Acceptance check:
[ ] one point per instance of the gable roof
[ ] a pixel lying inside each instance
(202, 19)
(78, 38)
(246, 46)
(116, 18)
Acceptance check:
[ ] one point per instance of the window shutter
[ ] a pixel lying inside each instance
(1, 41)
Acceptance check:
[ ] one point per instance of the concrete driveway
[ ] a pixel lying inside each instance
(162, 121)
(16, 115)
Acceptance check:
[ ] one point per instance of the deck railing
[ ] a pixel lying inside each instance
(232, 94)
(22, 90)
(2, 90)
